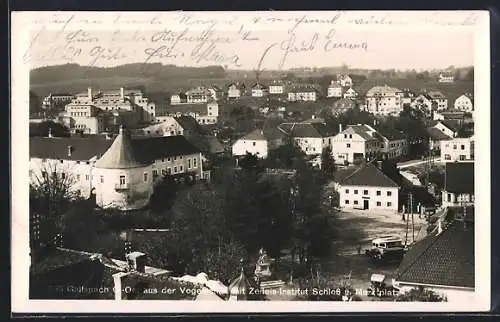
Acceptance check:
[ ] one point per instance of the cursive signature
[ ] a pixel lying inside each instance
(292, 45)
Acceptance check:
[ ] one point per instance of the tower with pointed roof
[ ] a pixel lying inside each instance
(240, 287)
(122, 179)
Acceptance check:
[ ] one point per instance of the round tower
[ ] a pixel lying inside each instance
(122, 179)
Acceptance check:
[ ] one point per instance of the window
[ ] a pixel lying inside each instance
(169, 170)
(378, 193)
(162, 159)
(87, 177)
(77, 162)
(345, 136)
(155, 173)
(175, 158)
(145, 177)
(365, 192)
(175, 169)
(44, 174)
(454, 146)
(78, 177)
(347, 202)
(122, 180)
(447, 157)
(355, 191)
(63, 175)
(168, 159)
(389, 193)
(102, 179)
(449, 197)
(389, 204)
(348, 145)
(355, 202)
(346, 190)
(350, 136)
(462, 157)
(189, 163)
(62, 161)
(462, 147)
(379, 204)
(180, 157)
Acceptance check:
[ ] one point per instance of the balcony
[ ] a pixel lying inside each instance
(121, 187)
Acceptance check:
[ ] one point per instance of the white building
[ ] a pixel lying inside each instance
(457, 149)
(446, 77)
(442, 262)
(355, 143)
(122, 99)
(384, 100)
(57, 98)
(86, 118)
(306, 94)
(203, 113)
(276, 87)
(197, 95)
(448, 127)
(350, 93)
(236, 90)
(367, 188)
(254, 143)
(179, 98)
(120, 172)
(464, 103)
(458, 184)
(440, 101)
(259, 90)
(334, 89)
(311, 137)
(423, 103)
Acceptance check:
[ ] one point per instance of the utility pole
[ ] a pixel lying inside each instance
(407, 222)
(412, 221)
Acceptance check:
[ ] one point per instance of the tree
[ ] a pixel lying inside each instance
(34, 103)
(222, 262)
(42, 129)
(51, 193)
(420, 294)
(327, 163)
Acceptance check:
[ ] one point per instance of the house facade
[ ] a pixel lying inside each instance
(254, 143)
(85, 118)
(303, 94)
(179, 98)
(259, 90)
(423, 103)
(368, 188)
(457, 149)
(355, 143)
(446, 77)
(440, 101)
(350, 93)
(464, 103)
(334, 89)
(276, 87)
(458, 188)
(119, 171)
(55, 99)
(203, 113)
(235, 90)
(384, 100)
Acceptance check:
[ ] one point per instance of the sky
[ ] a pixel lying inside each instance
(264, 47)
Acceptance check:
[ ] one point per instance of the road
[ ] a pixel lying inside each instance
(411, 163)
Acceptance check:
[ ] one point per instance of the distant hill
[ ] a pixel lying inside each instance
(155, 77)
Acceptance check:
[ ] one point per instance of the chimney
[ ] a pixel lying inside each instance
(70, 149)
(340, 127)
(50, 133)
(122, 93)
(117, 279)
(89, 93)
(137, 261)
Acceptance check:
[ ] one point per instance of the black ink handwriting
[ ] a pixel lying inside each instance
(99, 53)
